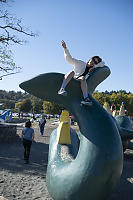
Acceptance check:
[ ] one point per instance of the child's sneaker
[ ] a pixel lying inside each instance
(62, 92)
(86, 101)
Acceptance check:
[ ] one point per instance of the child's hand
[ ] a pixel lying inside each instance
(63, 44)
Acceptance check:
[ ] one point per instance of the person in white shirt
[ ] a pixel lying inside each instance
(80, 72)
(42, 123)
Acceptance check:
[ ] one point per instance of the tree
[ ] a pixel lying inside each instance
(51, 108)
(37, 104)
(99, 96)
(130, 105)
(24, 106)
(11, 30)
(7, 104)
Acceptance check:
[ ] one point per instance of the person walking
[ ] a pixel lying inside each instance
(80, 72)
(42, 123)
(28, 138)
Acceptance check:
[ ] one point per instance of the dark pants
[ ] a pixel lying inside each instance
(87, 69)
(27, 147)
(42, 129)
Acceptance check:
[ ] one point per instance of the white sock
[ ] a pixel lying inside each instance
(63, 84)
(85, 95)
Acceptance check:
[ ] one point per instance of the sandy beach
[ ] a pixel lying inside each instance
(28, 181)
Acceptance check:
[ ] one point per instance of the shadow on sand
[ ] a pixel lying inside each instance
(11, 158)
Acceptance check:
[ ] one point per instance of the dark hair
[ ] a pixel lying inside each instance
(28, 124)
(96, 59)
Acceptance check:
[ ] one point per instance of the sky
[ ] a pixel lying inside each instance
(89, 27)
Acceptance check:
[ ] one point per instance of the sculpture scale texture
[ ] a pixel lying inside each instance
(95, 171)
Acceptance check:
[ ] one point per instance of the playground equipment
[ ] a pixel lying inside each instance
(97, 167)
(5, 116)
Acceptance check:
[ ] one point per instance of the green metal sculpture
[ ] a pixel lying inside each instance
(95, 171)
(125, 126)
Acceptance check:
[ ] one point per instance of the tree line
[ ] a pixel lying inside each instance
(116, 98)
(24, 102)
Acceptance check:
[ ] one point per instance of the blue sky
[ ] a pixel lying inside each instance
(89, 27)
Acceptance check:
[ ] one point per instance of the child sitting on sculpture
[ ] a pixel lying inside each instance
(80, 72)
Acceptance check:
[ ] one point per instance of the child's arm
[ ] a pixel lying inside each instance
(68, 57)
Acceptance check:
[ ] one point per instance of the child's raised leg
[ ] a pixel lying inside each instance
(66, 80)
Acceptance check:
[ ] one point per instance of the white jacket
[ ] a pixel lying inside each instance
(79, 65)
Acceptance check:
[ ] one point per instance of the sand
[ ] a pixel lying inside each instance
(28, 181)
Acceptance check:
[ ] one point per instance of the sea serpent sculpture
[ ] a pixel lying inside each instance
(95, 171)
(125, 127)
